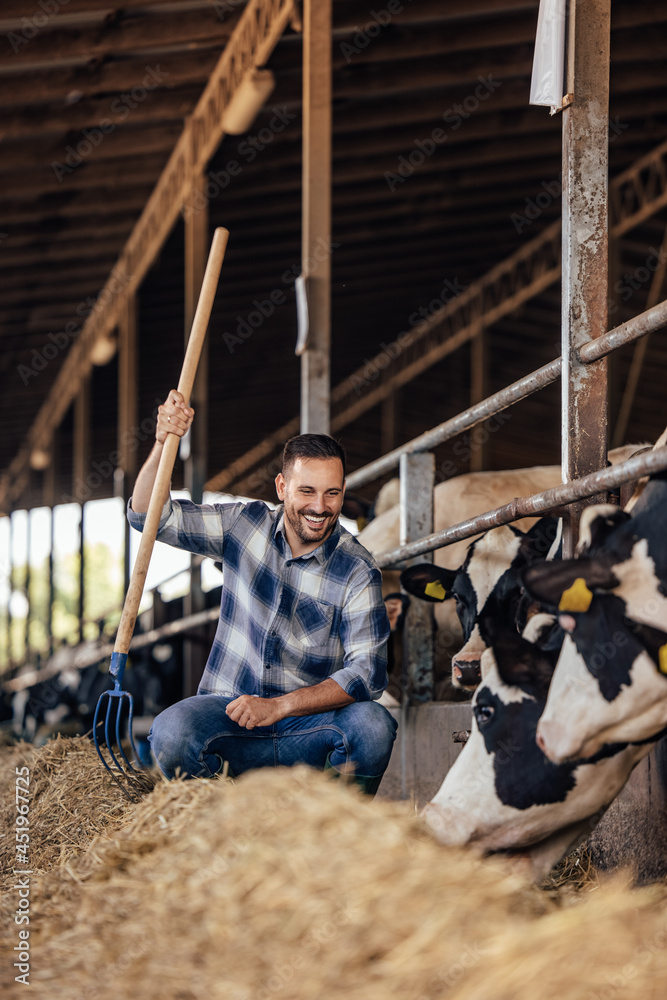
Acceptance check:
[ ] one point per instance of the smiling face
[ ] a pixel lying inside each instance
(312, 494)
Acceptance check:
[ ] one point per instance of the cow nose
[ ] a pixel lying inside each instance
(435, 820)
(551, 738)
(468, 672)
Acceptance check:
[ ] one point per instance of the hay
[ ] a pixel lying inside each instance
(72, 800)
(575, 873)
(611, 947)
(288, 885)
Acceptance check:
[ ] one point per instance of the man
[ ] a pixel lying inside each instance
(300, 650)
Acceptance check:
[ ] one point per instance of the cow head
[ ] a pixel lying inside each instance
(486, 588)
(610, 683)
(502, 793)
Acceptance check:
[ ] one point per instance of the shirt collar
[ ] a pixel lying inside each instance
(321, 553)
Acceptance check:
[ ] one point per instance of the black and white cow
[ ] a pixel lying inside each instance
(610, 683)
(486, 588)
(502, 793)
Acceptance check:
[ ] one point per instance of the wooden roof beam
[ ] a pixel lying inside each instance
(119, 34)
(144, 74)
(125, 141)
(256, 35)
(527, 272)
(58, 119)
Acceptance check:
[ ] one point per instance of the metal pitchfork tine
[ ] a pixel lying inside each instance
(119, 697)
(117, 669)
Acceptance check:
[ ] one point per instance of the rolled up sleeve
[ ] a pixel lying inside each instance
(197, 528)
(364, 633)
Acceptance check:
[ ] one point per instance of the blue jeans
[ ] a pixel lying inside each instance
(196, 736)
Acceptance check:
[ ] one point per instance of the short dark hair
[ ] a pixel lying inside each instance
(311, 446)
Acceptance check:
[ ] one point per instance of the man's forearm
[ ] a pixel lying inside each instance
(143, 487)
(173, 417)
(249, 711)
(320, 697)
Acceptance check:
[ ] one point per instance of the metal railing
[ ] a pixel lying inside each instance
(417, 482)
(637, 327)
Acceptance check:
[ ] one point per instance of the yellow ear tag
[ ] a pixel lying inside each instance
(435, 589)
(361, 523)
(577, 597)
(662, 659)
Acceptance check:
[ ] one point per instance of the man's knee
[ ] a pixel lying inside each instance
(372, 722)
(381, 725)
(172, 739)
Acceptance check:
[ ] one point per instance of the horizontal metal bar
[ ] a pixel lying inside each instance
(488, 407)
(88, 659)
(635, 328)
(647, 322)
(539, 503)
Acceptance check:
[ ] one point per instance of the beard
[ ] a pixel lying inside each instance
(304, 531)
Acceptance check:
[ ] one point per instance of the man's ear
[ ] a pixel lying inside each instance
(568, 585)
(429, 582)
(280, 486)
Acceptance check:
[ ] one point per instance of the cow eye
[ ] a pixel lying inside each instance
(484, 714)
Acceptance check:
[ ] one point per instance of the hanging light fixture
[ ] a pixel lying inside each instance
(247, 101)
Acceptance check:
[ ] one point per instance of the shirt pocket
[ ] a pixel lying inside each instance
(313, 622)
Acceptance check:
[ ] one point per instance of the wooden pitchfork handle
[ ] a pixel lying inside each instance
(169, 450)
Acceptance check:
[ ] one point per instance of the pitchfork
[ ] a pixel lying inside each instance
(117, 700)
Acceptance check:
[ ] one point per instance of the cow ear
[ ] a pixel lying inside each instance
(537, 541)
(568, 585)
(429, 582)
(522, 664)
(654, 641)
(597, 524)
(357, 509)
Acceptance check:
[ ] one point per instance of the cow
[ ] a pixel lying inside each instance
(456, 500)
(502, 794)
(488, 585)
(611, 679)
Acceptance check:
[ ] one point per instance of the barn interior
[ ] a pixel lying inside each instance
(390, 156)
(120, 155)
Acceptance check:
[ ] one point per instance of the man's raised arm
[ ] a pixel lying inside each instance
(173, 417)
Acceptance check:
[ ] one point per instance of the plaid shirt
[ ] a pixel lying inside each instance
(284, 623)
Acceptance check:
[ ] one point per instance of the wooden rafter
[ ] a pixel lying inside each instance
(635, 195)
(254, 38)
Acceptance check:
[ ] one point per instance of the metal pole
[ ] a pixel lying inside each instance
(416, 519)
(82, 572)
(128, 394)
(10, 648)
(27, 587)
(532, 506)
(52, 594)
(316, 216)
(474, 415)
(654, 294)
(478, 390)
(585, 249)
(196, 253)
(49, 497)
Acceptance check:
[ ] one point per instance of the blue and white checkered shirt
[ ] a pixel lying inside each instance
(284, 623)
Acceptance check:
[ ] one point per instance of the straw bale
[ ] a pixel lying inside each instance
(612, 947)
(286, 884)
(72, 799)
(283, 883)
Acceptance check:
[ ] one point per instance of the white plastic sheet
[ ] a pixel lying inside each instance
(546, 85)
